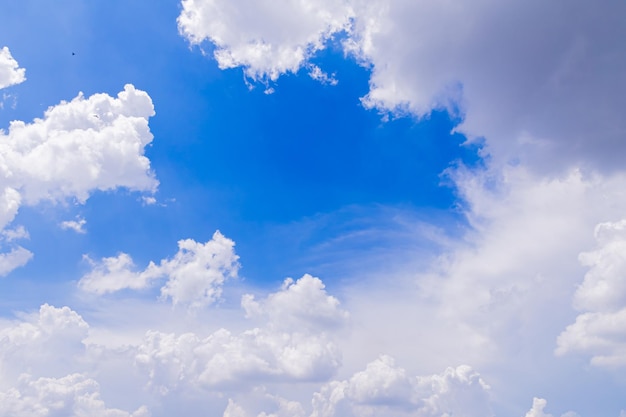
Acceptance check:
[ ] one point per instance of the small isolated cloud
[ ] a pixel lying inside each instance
(14, 259)
(316, 73)
(17, 233)
(195, 275)
(148, 200)
(10, 71)
(75, 225)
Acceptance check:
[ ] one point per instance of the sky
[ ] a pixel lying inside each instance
(313, 208)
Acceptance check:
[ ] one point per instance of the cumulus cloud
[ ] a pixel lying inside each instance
(553, 84)
(538, 406)
(267, 38)
(73, 395)
(78, 147)
(385, 389)
(285, 347)
(301, 303)
(10, 71)
(558, 87)
(599, 329)
(75, 225)
(47, 342)
(195, 275)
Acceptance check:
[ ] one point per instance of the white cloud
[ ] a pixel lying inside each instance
(14, 259)
(10, 72)
(385, 389)
(537, 409)
(15, 234)
(78, 147)
(267, 38)
(303, 303)
(49, 342)
(538, 406)
(544, 93)
(290, 345)
(75, 225)
(195, 275)
(73, 395)
(599, 330)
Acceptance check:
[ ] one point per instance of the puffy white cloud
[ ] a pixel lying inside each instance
(385, 389)
(75, 225)
(78, 147)
(538, 406)
(73, 395)
(280, 350)
(599, 330)
(195, 275)
(303, 303)
(537, 409)
(47, 342)
(10, 71)
(267, 38)
(604, 286)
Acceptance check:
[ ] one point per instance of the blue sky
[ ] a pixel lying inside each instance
(419, 206)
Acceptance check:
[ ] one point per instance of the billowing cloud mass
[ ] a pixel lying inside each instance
(73, 396)
(292, 343)
(49, 362)
(10, 71)
(78, 147)
(195, 275)
(542, 82)
(49, 342)
(599, 329)
(525, 279)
